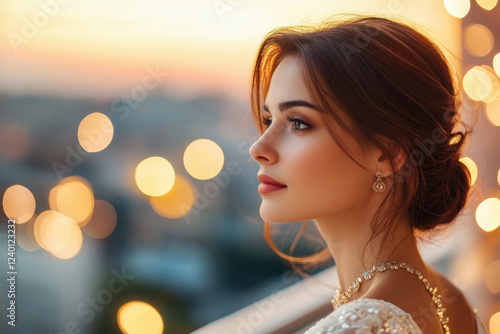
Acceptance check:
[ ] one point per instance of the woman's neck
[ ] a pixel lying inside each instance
(347, 236)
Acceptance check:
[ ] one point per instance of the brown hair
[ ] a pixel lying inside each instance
(389, 81)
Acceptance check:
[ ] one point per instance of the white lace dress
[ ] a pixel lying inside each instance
(369, 316)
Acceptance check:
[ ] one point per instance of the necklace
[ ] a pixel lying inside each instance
(343, 298)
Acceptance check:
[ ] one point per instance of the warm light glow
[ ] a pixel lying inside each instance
(492, 277)
(498, 177)
(471, 165)
(177, 202)
(477, 84)
(95, 132)
(25, 236)
(496, 63)
(138, 317)
(73, 197)
(103, 221)
(487, 4)
(154, 176)
(488, 214)
(495, 323)
(479, 40)
(495, 83)
(58, 234)
(493, 112)
(203, 159)
(18, 203)
(457, 8)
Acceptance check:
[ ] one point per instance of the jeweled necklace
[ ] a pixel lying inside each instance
(343, 298)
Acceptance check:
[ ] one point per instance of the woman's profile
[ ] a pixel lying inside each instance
(360, 131)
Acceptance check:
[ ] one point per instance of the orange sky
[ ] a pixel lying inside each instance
(96, 48)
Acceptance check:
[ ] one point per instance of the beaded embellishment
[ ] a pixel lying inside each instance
(343, 298)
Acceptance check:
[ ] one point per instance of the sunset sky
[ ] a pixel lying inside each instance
(103, 48)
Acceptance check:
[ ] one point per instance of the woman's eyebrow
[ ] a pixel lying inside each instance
(294, 103)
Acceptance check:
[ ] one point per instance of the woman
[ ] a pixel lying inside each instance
(358, 131)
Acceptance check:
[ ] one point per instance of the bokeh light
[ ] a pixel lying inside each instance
(488, 214)
(457, 8)
(25, 236)
(477, 84)
(73, 197)
(58, 234)
(177, 202)
(14, 141)
(18, 203)
(495, 323)
(154, 176)
(137, 317)
(471, 166)
(495, 83)
(496, 63)
(498, 177)
(203, 159)
(487, 4)
(478, 40)
(492, 277)
(493, 112)
(95, 132)
(103, 221)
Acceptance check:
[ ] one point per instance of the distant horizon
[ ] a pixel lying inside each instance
(99, 49)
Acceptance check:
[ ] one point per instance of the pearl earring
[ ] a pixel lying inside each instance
(378, 186)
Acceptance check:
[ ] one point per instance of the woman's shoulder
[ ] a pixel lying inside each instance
(367, 314)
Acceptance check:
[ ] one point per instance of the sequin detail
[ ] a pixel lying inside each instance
(366, 316)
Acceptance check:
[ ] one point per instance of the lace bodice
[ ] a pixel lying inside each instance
(364, 316)
(369, 316)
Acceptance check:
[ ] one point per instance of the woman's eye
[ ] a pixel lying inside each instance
(297, 123)
(266, 121)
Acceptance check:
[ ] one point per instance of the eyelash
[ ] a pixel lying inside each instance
(267, 122)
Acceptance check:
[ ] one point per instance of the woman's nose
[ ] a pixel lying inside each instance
(262, 150)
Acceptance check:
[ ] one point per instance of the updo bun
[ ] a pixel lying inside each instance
(442, 189)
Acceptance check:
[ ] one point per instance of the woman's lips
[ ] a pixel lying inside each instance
(265, 188)
(269, 184)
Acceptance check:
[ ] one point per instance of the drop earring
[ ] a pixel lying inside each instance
(378, 186)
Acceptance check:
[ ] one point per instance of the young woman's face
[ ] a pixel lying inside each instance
(297, 150)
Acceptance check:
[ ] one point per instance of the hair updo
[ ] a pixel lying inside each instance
(378, 79)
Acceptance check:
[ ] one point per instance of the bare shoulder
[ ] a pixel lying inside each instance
(409, 294)
(457, 307)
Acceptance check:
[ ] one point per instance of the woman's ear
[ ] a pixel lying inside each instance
(396, 154)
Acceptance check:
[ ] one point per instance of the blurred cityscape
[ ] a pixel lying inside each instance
(135, 197)
(193, 269)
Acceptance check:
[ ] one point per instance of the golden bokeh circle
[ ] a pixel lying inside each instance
(203, 159)
(177, 202)
(95, 132)
(137, 317)
(154, 176)
(18, 203)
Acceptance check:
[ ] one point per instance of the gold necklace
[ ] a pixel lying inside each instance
(343, 298)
